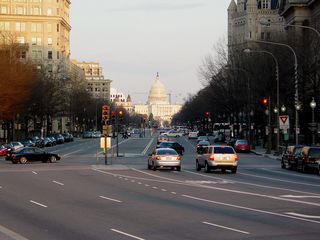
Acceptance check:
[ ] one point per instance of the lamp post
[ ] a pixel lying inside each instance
(296, 82)
(276, 110)
(313, 105)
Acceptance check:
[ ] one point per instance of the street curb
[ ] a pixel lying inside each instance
(266, 155)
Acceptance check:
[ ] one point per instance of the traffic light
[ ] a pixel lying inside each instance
(120, 116)
(265, 102)
(105, 114)
(207, 114)
(113, 117)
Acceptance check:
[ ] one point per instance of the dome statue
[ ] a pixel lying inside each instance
(158, 93)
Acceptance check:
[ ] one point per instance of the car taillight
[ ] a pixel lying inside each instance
(236, 157)
(158, 158)
(211, 157)
(179, 158)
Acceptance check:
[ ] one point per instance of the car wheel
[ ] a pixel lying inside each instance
(283, 165)
(303, 168)
(179, 169)
(149, 166)
(234, 170)
(198, 167)
(23, 160)
(223, 170)
(153, 167)
(207, 168)
(53, 159)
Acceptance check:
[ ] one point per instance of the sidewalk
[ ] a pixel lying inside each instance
(262, 152)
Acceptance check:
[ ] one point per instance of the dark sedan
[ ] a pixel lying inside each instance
(30, 154)
(174, 145)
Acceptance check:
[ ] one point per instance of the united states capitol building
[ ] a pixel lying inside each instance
(158, 103)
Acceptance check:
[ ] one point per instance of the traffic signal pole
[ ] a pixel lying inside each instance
(269, 127)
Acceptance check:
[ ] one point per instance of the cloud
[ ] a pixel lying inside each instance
(157, 7)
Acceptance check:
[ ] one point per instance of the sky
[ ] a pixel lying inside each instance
(135, 39)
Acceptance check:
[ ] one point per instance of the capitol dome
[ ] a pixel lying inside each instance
(158, 93)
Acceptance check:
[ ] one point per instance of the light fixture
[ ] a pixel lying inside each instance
(313, 103)
(275, 110)
(283, 108)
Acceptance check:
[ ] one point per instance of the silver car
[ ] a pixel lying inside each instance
(217, 157)
(164, 157)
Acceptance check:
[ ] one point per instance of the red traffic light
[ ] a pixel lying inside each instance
(207, 114)
(120, 113)
(113, 113)
(264, 102)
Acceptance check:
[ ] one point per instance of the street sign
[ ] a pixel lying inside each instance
(284, 122)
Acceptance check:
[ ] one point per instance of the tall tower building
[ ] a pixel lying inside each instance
(43, 26)
(248, 20)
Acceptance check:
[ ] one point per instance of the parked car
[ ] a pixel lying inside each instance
(308, 159)
(164, 157)
(48, 142)
(53, 140)
(96, 134)
(67, 137)
(59, 138)
(13, 146)
(27, 154)
(193, 135)
(217, 157)
(87, 134)
(219, 137)
(162, 138)
(28, 143)
(3, 150)
(38, 142)
(174, 145)
(202, 144)
(290, 156)
(202, 138)
(242, 145)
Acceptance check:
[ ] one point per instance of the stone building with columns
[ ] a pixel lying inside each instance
(158, 104)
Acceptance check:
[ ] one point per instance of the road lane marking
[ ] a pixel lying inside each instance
(302, 215)
(11, 234)
(163, 190)
(253, 184)
(147, 147)
(154, 187)
(174, 193)
(194, 147)
(126, 234)
(35, 173)
(295, 196)
(68, 154)
(147, 185)
(59, 183)
(292, 174)
(280, 180)
(139, 183)
(224, 227)
(39, 204)
(110, 199)
(250, 209)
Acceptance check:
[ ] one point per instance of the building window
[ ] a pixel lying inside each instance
(5, 26)
(36, 41)
(49, 11)
(21, 40)
(58, 27)
(20, 10)
(58, 55)
(36, 27)
(4, 10)
(49, 54)
(262, 35)
(37, 54)
(20, 27)
(49, 41)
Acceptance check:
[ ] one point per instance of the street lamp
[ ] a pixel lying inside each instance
(276, 110)
(313, 105)
(283, 108)
(296, 82)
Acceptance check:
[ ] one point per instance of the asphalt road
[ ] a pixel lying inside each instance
(81, 198)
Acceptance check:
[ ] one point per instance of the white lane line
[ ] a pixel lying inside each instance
(59, 183)
(174, 193)
(11, 234)
(295, 196)
(302, 215)
(110, 199)
(154, 187)
(194, 147)
(0, 187)
(250, 209)
(147, 147)
(224, 227)
(35, 173)
(68, 154)
(253, 184)
(147, 185)
(126, 234)
(163, 190)
(280, 180)
(39, 204)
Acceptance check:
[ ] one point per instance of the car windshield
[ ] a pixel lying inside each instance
(225, 150)
(297, 150)
(314, 152)
(166, 144)
(166, 152)
(203, 137)
(204, 143)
